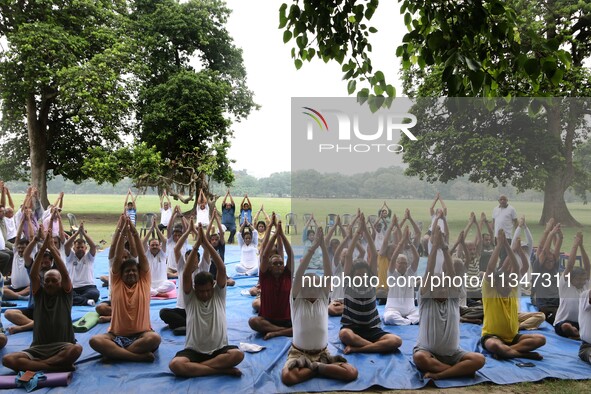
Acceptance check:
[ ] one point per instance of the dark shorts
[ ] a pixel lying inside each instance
(280, 323)
(28, 312)
(585, 351)
(371, 334)
(196, 357)
(43, 352)
(17, 290)
(487, 337)
(558, 327)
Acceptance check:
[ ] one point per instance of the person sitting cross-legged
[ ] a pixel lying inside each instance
(54, 346)
(500, 328)
(400, 308)
(275, 278)
(206, 348)
(81, 267)
(438, 353)
(308, 356)
(573, 282)
(130, 336)
(361, 330)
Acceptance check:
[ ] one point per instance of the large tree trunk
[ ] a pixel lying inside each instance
(37, 128)
(554, 204)
(561, 177)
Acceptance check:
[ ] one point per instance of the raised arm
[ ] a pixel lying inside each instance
(545, 234)
(126, 200)
(70, 241)
(518, 250)
(29, 251)
(60, 265)
(116, 235)
(493, 260)
(432, 259)
(19, 230)
(586, 264)
(573, 256)
(432, 207)
(191, 266)
(485, 221)
(146, 241)
(287, 246)
(201, 199)
(386, 241)
(159, 235)
(331, 230)
(221, 276)
(443, 207)
(91, 244)
(36, 267)
(547, 245)
(3, 194)
(416, 238)
(178, 247)
(170, 227)
(10, 202)
(349, 255)
(371, 250)
(144, 265)
(399, 248)
(296, 286)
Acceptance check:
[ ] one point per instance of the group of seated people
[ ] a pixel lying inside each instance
(295, 298)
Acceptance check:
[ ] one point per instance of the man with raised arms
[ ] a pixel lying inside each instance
(206, 348)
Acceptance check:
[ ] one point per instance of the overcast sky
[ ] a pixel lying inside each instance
(274, 80)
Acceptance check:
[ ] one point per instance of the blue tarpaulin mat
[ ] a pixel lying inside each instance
(262, 371)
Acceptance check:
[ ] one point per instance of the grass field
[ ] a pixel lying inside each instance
(100, 212)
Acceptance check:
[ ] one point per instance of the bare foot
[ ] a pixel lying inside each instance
(349, 349)
(232, 372)
(269, 335)
(104, 319)
(15, 329)
(149, 357)
(532, 355)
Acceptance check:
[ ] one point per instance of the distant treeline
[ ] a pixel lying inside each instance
(387, 183)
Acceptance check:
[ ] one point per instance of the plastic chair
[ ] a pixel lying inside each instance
(291, 221)
(331, 218)
(148, 218)
(73, 223)
(346, 220)
(307, 217)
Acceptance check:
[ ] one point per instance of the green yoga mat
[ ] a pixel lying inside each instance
(86, 322)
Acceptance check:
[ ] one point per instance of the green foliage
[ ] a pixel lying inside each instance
(86, 73)
(338, 31)
(488, 48)
(184, 113)
(62, 65)
(137, 162)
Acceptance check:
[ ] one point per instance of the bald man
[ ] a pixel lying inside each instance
(54, 346)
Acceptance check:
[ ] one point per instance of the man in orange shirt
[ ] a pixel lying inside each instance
(130, 335)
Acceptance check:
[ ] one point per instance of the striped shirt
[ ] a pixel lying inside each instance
(360, 307)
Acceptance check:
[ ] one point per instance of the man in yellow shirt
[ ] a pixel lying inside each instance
(500, 329)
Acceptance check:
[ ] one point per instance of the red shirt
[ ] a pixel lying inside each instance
(275, 293)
